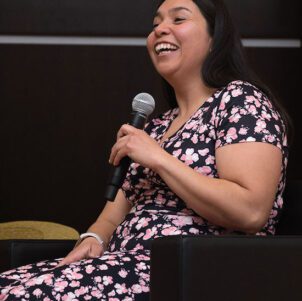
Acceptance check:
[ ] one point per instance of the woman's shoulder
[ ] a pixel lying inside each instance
(244, 94)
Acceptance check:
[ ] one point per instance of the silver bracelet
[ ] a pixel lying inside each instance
(89, 234)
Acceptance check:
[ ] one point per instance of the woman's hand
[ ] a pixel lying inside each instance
(137, 145)
(88, 248)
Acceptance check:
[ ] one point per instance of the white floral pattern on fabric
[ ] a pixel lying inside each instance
(235, 114)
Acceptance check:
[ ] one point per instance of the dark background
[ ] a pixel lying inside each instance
(61, 105)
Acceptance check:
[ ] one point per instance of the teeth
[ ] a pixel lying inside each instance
(164, 47)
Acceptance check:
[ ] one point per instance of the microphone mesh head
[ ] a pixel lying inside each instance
(143, 103)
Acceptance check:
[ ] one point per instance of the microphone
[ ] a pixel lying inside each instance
(143, 105)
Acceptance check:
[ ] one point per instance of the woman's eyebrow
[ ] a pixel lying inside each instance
(173, 10)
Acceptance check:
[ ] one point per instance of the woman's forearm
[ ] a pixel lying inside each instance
(111, 216)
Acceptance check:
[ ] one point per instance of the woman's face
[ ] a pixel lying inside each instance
(179, 41)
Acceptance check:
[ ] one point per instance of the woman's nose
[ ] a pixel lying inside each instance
(162, 29)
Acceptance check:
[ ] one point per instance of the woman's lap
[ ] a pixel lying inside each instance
(115, 276)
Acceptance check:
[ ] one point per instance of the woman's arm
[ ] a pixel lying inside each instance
(111, 216)
(242, 197)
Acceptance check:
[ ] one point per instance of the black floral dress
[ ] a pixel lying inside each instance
(235, 114)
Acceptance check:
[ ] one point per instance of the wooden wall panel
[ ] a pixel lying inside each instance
(255, 18)
(60, 109)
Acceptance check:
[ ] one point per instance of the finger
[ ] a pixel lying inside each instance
(125, 129)
(120, 154)
(116, 148)
(73, 257)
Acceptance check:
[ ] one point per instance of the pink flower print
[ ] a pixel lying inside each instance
(68, 297)
(225, 99)
(252, 110)
(111, 294)
(103, 267)
(120, 288)
(236, 92)
(253, 99)
(273, 213)
(74, 283)
(279, 201)
(125, 232)
(250, 139)
(176, 153)
(150, 233)
(275, 116)
(96, 294)
(107, 280)
(266, 115)
(89, 269)
(181, 221)
(218, 143)
(189, 125)
(234, 111)
(235, 118)
(143, 222)
(123, 273)
(81, 291)
(203, 152)
(76, 275)
(171, 231)
(270, 138)
(47, 279)
(260, 126)
(178, 144)
(142, 257)
(210, 160)
(258, 94)
(189, 157)
(136, 289)
(59, 286)
(205, 170)
(277, 128)
(126, 185)
(37, 292)
(186, 135)
(202, 129)
(231, 135)
(171, 204)
(112, 262)
(243, 131)
(194, 139)
(231, 87)
(194, 231)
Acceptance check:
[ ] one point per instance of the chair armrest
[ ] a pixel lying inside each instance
(229, 268)
(18, 252)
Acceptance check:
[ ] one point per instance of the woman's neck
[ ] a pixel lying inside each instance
(190, 95)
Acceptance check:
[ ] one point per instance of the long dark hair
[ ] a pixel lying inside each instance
(226, 61)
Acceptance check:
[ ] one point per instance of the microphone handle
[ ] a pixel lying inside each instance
(118, 173)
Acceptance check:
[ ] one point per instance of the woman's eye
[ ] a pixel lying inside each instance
(155, 25)
(179, 20)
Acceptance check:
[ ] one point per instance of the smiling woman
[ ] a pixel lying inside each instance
(215, 165)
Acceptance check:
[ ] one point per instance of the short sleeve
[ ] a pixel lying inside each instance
(245, 114)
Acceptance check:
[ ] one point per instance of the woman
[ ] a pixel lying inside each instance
(216, 164)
